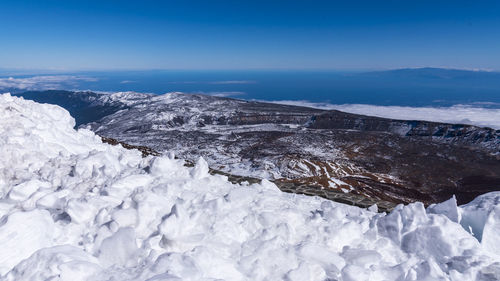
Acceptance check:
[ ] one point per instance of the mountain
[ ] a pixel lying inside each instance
(333, 154)
(86, 108)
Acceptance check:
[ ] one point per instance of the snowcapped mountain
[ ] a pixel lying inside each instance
(74, 208)
(332, 154)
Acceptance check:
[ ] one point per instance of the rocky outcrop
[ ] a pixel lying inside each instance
(452, 133)
(146, 151)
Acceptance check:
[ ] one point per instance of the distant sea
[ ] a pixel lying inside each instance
(407, 87)
(471, 97)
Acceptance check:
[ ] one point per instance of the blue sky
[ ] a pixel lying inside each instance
(340, 35)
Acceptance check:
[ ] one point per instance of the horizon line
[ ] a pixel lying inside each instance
(372, 69)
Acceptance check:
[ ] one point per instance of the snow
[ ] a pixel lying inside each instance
(73, 208)
(448, 208)
(482, 218)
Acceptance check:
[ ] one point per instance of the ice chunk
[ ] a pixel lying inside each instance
(363, 258)
(373, 208)
(298, 274)
(491, 232)
(448, 208)
(200, 170)
(162, 166)
(127, 185)
(241, 195)
(355, 273)
(427, 241)
(23, 234)
(24, 190)
(125, 217)
(56, 263)
(80, 211)
(475, 213)
(390, 226)
(120, 249)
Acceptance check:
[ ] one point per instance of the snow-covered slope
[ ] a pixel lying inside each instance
(73, 208)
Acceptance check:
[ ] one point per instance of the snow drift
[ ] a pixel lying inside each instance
(73, 208)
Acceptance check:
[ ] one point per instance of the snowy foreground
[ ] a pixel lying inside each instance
(73, 208)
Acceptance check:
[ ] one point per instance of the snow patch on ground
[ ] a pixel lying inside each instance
(73, 208)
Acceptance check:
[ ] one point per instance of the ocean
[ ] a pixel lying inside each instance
(434, 94)
(408, 87)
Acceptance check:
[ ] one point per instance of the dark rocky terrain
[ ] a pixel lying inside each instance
(333, 154)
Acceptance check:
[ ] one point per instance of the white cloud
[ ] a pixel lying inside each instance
(48, 82)
(473, 114)
(128, 82)
(228, 82)
(222, 94)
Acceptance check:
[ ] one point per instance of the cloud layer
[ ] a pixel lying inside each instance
(231, 82)
(225, 82)
(222, 94)
(472, 114)
(48, 82)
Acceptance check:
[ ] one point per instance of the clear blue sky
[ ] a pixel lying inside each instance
(92, 35)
